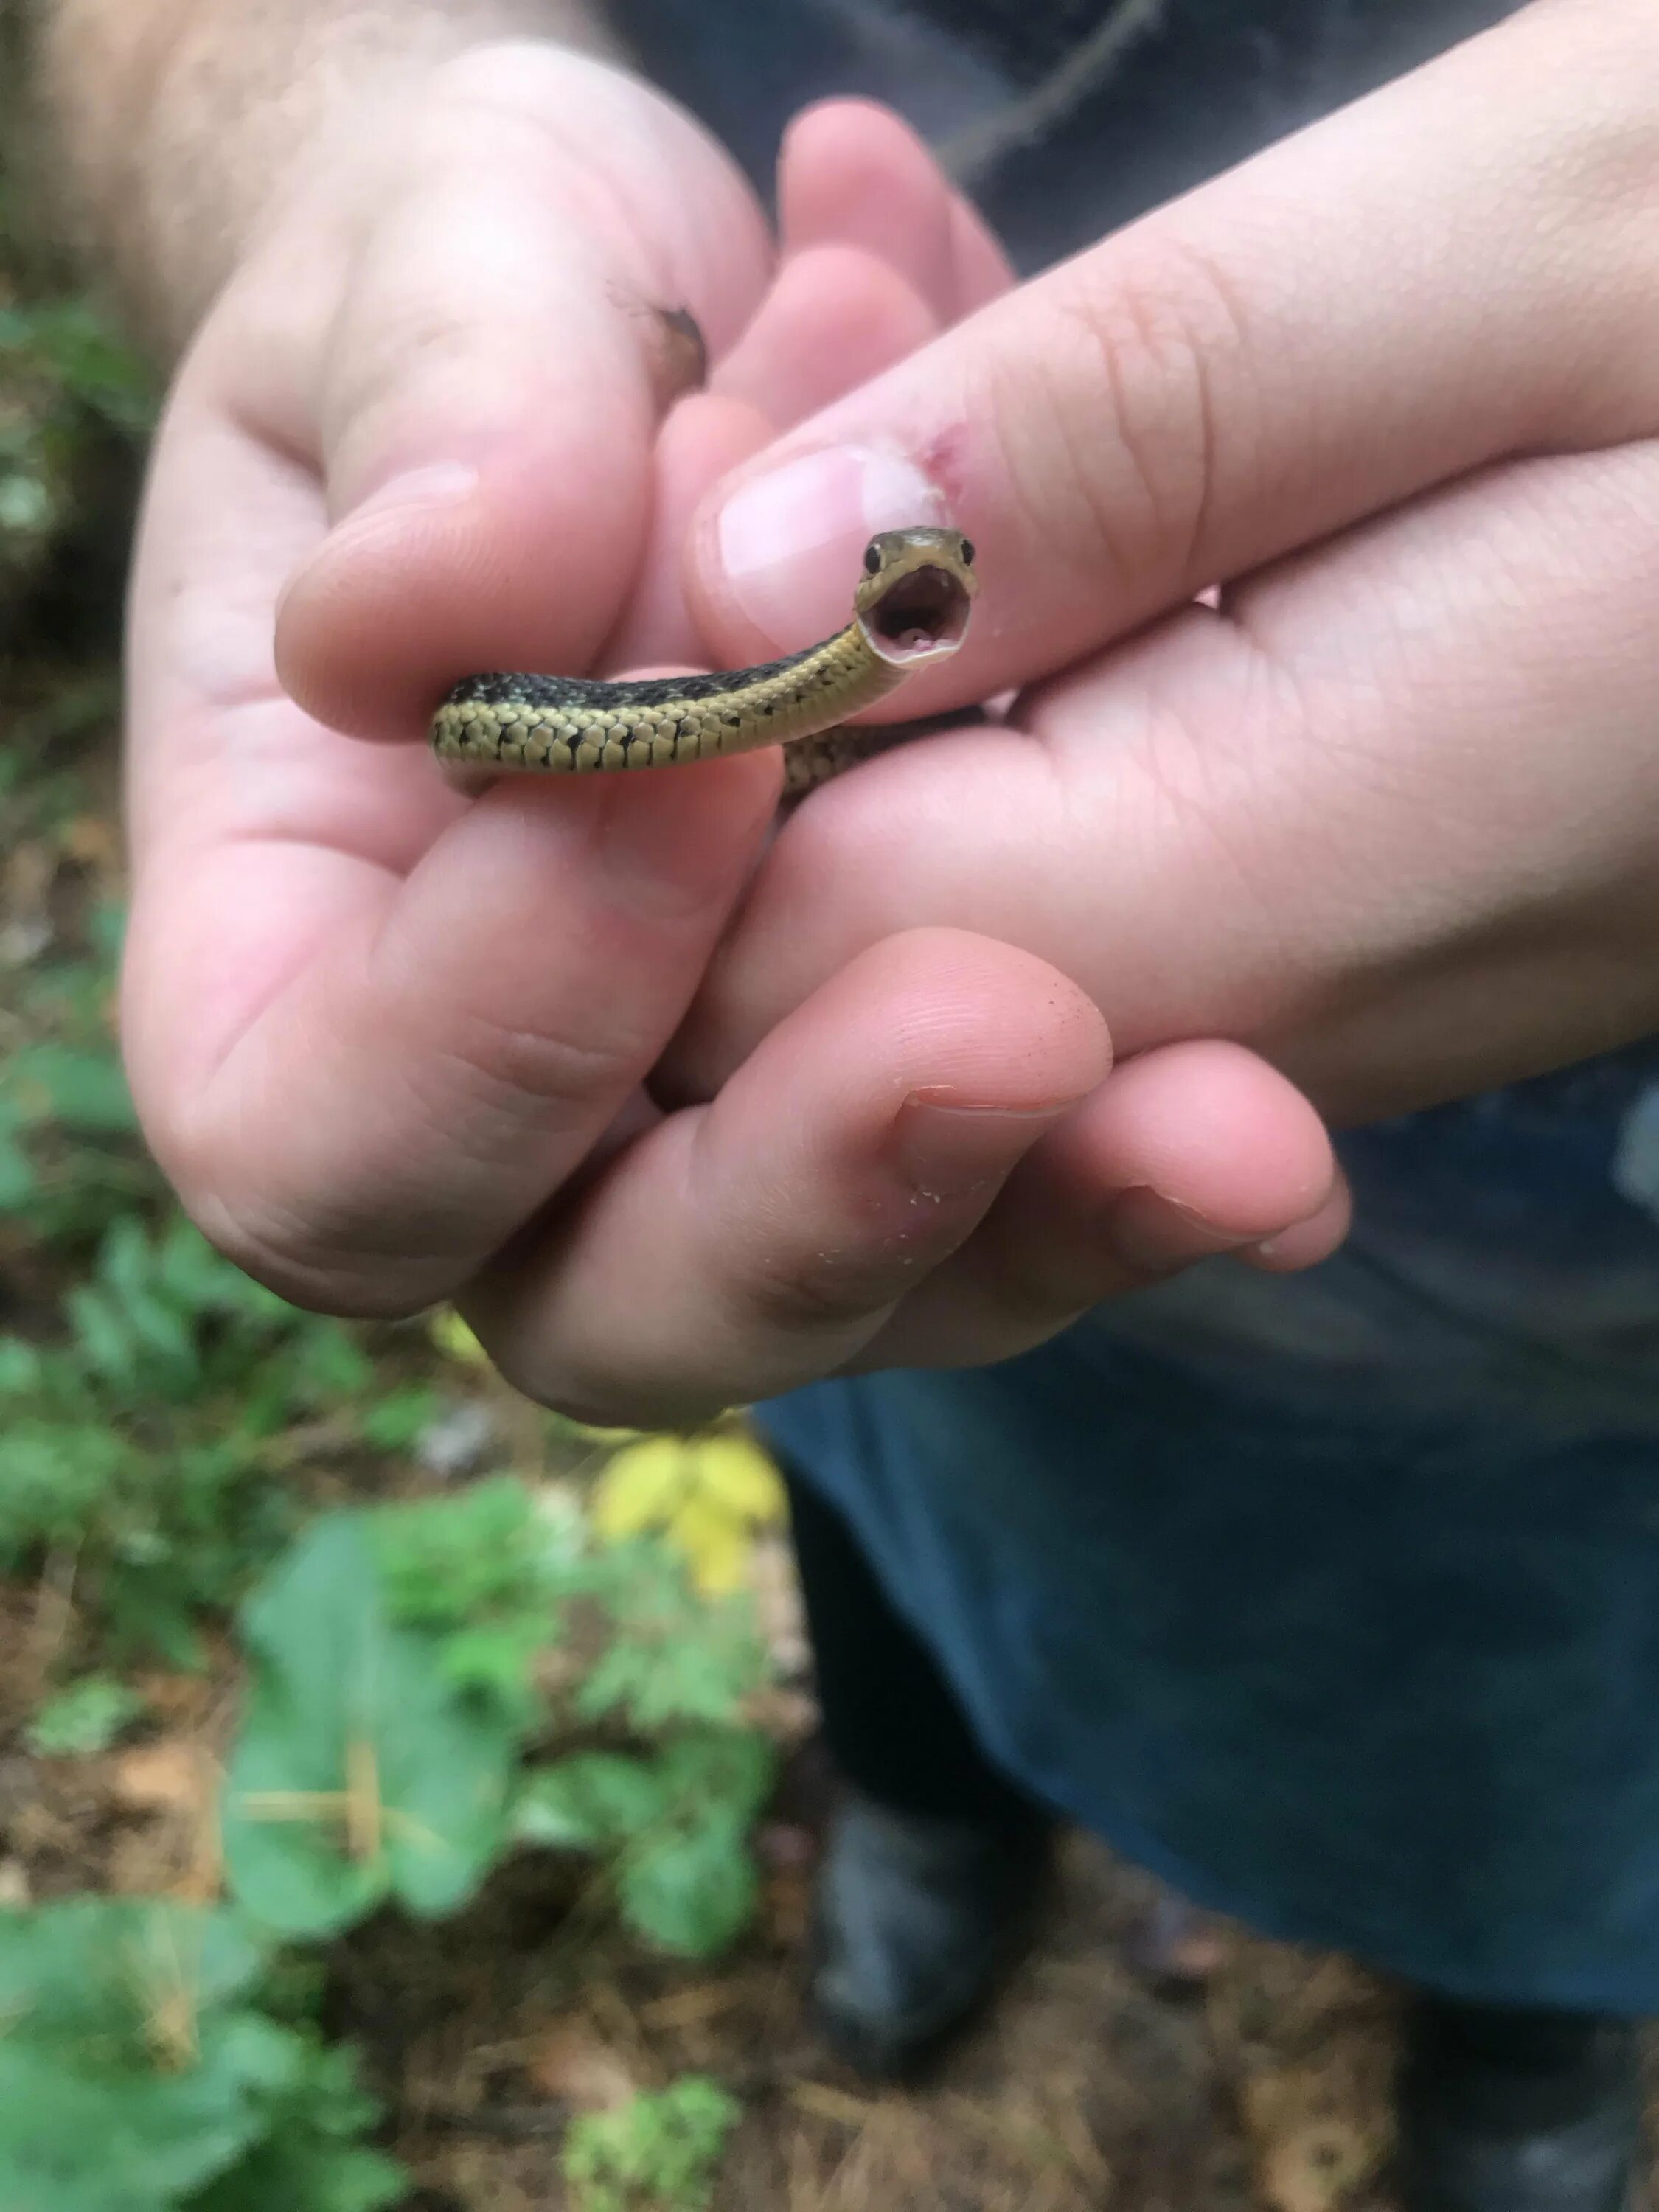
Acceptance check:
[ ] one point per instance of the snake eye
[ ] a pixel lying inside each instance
(872, 559)
(966, 549)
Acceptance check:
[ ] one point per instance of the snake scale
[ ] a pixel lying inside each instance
(910, 610)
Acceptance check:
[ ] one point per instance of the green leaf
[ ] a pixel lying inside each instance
(21, 1367)
(135, 2077)
(693, 1894)
(309, 2159)
(482, 1571)
(126, 2076)
(657, 2153)
(359, 1769)
(286, 2174)
(675, 1655)
(83, 1719)
(448, 1562)
(677, 1824)
(584, 1803)
(96, 1972)
(88, 2142)
(18, 1181)
(84, 1091)
(725, 1773)
(397, 1421)
(102, 1335)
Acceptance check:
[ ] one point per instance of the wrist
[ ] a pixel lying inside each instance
(182, 125)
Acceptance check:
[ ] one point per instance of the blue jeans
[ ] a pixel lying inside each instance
(1332, 1599)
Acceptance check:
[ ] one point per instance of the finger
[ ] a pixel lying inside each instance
(1293, 347)
(489, 384)
(1335, 819)
(1182, 1155)
(706, 434)
(836, 316)
(856, 1150)
(1305, 1244)
(432, 1056)
(853, 174)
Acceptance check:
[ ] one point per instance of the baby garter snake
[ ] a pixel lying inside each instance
(909, 610)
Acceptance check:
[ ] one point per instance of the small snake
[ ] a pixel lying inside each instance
(910, 610)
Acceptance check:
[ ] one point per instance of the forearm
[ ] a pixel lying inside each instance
(179, 121)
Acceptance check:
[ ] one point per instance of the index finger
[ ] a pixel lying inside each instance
(1459, 268)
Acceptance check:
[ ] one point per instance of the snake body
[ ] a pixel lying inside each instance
(910, 610)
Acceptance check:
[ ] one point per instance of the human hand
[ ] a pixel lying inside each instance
(1390, 811)
(374, 1031)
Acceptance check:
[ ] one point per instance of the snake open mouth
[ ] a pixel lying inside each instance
(919, 614)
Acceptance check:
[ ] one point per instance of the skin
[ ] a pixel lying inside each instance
(674, 1138)
(1389, 810)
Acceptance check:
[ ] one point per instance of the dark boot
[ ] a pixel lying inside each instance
(1506, 2110)
(916, 1918)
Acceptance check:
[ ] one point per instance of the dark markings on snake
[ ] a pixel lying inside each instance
(575, 692)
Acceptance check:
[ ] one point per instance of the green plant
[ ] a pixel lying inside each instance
(83, 1718)
(657, 2153)
(70, 1160)
(673, 1653)
(361, 1771)
(63, 375)
(485, 1574)
(405, 1659)
(140, 1447)
(139, 2073)
(674, 1823)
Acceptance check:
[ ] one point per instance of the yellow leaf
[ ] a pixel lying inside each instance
(455, 1340)
(586, 1432)
(715, 1543)
(734, 1471)
(641, 1487)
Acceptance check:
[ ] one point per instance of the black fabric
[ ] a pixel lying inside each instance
(1212, 83)
(891, 1722)
(1196, 85)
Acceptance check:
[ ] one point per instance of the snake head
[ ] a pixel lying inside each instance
(913, 598)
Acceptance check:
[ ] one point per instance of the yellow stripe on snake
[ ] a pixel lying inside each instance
(910, 610)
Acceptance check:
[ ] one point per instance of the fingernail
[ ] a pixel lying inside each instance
(439, 484)
(949, 1151)
(789, 541)
(1155, 1235)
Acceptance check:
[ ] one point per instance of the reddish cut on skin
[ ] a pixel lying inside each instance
(941, 460)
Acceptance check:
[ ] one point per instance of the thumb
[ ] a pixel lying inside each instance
(484, 398)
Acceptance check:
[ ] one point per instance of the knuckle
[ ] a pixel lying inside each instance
(805, 1294)
(343, 1248)
(598, 1389)
(288, 1256)
(497, 1072)
(1118, 461)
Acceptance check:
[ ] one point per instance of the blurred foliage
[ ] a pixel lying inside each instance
(84, 1718)
(405, 1661)
(144, 1440)
(657, 2153)
(69, 1163)
(434, 1683)
(140, 2073)
(71, 390)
